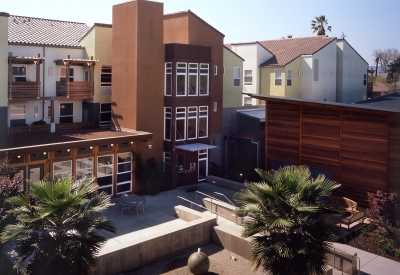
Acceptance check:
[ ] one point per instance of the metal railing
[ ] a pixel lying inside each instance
(343, 252)
(222, 195)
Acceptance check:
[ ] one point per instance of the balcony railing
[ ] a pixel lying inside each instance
(24, 90)
(75, 90)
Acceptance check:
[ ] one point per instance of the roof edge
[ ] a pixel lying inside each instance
(234, 53)
(4, 14)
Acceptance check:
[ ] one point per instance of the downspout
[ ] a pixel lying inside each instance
(43, 80)
(258, 146)
(226, 155)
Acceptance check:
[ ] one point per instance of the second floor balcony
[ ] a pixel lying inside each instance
(75, 90)
(24, 90)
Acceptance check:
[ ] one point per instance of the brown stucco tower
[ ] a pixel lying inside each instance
(138, 65)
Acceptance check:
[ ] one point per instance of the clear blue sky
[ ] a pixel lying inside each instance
(367, 24)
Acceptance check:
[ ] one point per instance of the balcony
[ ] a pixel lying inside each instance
(24, 90)
(75, 90)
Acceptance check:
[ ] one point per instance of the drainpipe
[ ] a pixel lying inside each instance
(258, 146)
(43, 80)
(226, 155)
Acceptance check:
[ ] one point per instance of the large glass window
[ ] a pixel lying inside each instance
(63, 74)
(192, 123)
(84, 168)
(19, 74)
(124, 174)
(236, 76)
(289, 78)
(204, 72)
(105, 169)
(168, 79)
(203, 121)
(180, 123)
(66, 113)
(17, 111)
(62, 168)
(193, 74)
(167, 123)
(105, 115)
(278, 77)
(248, 77)
(106, 76)
(181, 79)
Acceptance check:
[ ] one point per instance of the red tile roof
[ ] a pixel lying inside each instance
(287, 49)
(38, 31)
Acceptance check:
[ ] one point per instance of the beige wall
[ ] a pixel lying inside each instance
(232, 95)
(3, 59)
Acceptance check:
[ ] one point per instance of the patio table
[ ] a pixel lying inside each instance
(130, 201)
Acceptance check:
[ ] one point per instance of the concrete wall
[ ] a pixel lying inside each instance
(351, 69)
(132, 254)
(232, 94)
(231, 240)
(3, 72)
(227, 184)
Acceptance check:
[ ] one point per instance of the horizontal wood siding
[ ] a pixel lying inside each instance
(283, 128)
(394, 153)
(26, 90)
(75, 90)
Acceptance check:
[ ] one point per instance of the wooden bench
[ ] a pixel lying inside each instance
(27, 130)
(341, 203)
(353, 218)
(74, 126)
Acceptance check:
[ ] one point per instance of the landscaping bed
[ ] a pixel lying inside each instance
(377, 239)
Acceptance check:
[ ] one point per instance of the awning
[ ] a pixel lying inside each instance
(195, 147)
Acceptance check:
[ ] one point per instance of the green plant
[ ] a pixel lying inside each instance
(289, 232)
(397, 253)
(58, 226)
(363, 230)
(385, 245)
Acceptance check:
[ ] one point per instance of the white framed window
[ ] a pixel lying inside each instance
(168, 79)
(167, 123)
(203, 165)
(50, 71)
(66, 112)
(289, 78)
(215, 70)
(203, 122)
(124, 173)
(193, 78)
(62, 168)
(248, 77)
(105, 115)
(19, 74)
(84, 168)
(192, 123)
(106, 76)
(204, 72)
(17, 111)
(278, 77)
(316, 69)
(181, 69)
(365, 79)
(63, 74)
(180, 123)
(35, 112)
(105, 172)
(236, 76)
(86, 76)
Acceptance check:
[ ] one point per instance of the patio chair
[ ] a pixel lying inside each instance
(138, 207)
(123, 206)
(144, 202)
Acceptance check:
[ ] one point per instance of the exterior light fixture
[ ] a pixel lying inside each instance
(112, 145)
(91, 147)
(131, 142)
(241, 174)
(19, 157)
(68, 150)
(44, 153)
(150, 146)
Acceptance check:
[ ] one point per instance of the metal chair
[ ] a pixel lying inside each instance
(123, 206)
(138, 207)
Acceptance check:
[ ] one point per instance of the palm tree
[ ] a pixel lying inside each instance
(318, 24)
(58, 226)
(289, 232)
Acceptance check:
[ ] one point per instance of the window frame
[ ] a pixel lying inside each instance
(249, 77)
(79, 169)
(110, 165)
(289, 77)
(181, 74)
(236, 76)
(62, 173)
(278, 80)
(167, 71)
(124, 172)
(104, 123)
(203, 113)
(215, 70)
(64, 116)
(192, 114)
(191, 74)
(167, 116)
(181, 112)
(71, 76)
(205, 72)
(365, 80)
(17, 118)
(22, 76)
(107, 84)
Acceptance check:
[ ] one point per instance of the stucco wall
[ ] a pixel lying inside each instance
(3, 60)
(232, 94)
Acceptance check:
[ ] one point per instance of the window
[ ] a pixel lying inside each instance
(105, 169)
(192, 123)
(63, 74)
(17, 112)
(49, 112)
(35, 112)
(365, 79)
(84, 168)
(316, 69)
(50, 71)
(248, 101)
(166, 161)
(193, 83)
(106, 75)
(168, 79)
(236, 76)
(204, 79)
(203, 121)
(203, 165)
(19, 74)
(180, 123)
(86, 76)
(62, 168)
(181, 79)
(105, 115)
(278, 77)
(248, 77)
(66, 113)
(124, 173)
(289, 78)
(215, 70)
(167, 123)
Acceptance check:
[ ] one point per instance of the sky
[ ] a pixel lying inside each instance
(367, 25)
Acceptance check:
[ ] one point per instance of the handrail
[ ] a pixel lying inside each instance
(225, 198)
(344, 252)
(212, 198)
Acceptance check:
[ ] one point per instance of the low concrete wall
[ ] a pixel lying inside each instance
(133, 254)
(223, 209)
(227, 184)
(231, 240)
(346, 260)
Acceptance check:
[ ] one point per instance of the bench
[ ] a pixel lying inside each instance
(74, 126)
(27, 130)
(341, 203)
(353, 218)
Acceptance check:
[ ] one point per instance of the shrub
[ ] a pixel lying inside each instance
(384, 206)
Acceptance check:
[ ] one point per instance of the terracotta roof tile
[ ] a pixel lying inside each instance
(288, 49)
(38, 31)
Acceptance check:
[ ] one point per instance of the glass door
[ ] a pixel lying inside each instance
(203, 165)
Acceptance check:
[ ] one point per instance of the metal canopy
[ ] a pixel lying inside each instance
(195, 147)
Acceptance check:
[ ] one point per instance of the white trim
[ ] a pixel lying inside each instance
(168, 115)
(203, 68)
(107, 83)
(124, 172)
(182, 112)
(89, 168)
(105, 166)
(196, 74)
(203, 113)
(181, 74)
(278, 77)
(192, 115)
(236, 76)
(167, 71)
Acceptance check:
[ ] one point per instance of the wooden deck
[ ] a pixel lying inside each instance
(75, 90)
(25, 90)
